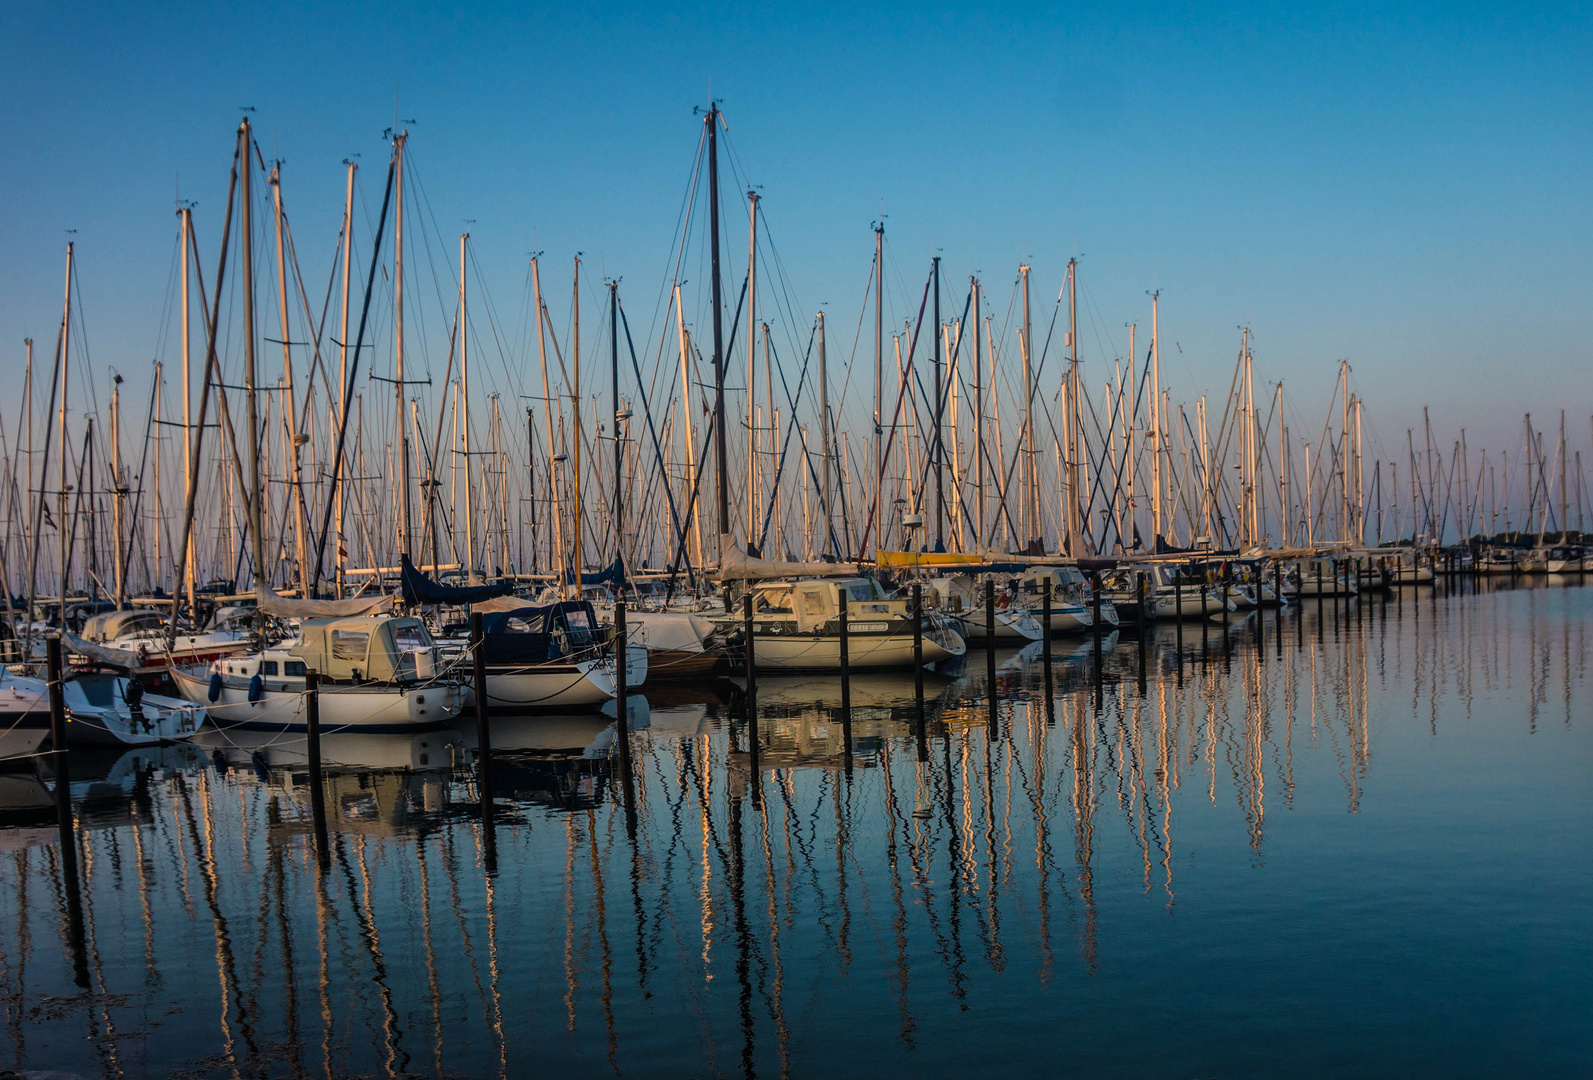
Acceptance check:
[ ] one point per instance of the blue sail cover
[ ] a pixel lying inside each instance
(614, 572)
(420, 589)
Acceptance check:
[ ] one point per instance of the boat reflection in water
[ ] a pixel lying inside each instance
(1179, 825)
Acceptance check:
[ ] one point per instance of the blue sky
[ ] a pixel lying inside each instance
(1404, 187)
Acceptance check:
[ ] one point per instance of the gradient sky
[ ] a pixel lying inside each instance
(1408, 189)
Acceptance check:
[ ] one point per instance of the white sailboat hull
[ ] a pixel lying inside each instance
(366, 707)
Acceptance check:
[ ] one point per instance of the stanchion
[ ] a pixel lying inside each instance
(312, 740)
(846, 683)
(919, 725)
(990, 653)
(70, 885)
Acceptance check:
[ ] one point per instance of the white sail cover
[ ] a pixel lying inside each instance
(676, 631)
(284, 607)
(103, 654)
(735, 565)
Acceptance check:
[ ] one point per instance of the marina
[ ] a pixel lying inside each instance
(657, 542)
(1280, 835)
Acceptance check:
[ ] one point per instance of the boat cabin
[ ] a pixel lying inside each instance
(813, 602)
(359, 649)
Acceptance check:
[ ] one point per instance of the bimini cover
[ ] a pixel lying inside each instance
(532, 635)
(283, 607)
(420, 589)
(736, 565)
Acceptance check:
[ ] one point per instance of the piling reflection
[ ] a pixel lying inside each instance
(893, 881)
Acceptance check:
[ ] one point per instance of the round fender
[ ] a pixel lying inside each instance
(256, 687)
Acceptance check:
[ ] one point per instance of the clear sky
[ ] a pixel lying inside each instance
(1407, 188)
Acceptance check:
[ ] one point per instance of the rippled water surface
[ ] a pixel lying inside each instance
(1323, 843)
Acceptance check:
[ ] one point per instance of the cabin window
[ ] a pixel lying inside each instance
(576, 619)
(268, 667)
(519, 626)
(410, 636)
(349, 644)
(294, 667)
(813, 603)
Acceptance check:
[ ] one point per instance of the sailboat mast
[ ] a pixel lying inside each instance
(979, 417)
(547, 401)
(936, 448)
(575, 459)
(1157, 444)
(720, 454)
(879, 379)
(1074, 414)
(824, 439)
(246, 235)
(464, 395)
(402, 432)
(342, 374)
(61, 526)
(116, 482)
(290, 409)
(188, 556)
(619, 449)
(1031, 501)
(752, 365)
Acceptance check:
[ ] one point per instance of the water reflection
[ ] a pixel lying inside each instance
(1174, 810)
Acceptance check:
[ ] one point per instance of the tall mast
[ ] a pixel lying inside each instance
(752, 365)
(575, 460)
(342, 374)
(936, 447)
(290, 409)
(547, 403)
(1157, 446)
(979, 420)
(720, 455)
(686, 396)
(824, 438)
(187, 584)
(402, 432)
(246, 235)
(116, 481)
(1074, 414)
(879, 378)
(1031, 500)
(61, 521)
(619, 447)
(464, 394)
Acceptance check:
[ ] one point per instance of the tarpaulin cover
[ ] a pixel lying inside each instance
(420, 589)
(284, 607)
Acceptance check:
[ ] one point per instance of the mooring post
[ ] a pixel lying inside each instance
(478, 667)
(752, 697)
(918, 671)
(1045, 646)
(622, 719)
(312, 749)
(846, 681)
(990, 652)
(70, 886)
(1178, 616)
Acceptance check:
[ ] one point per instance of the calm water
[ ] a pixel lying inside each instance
(1348, 844)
